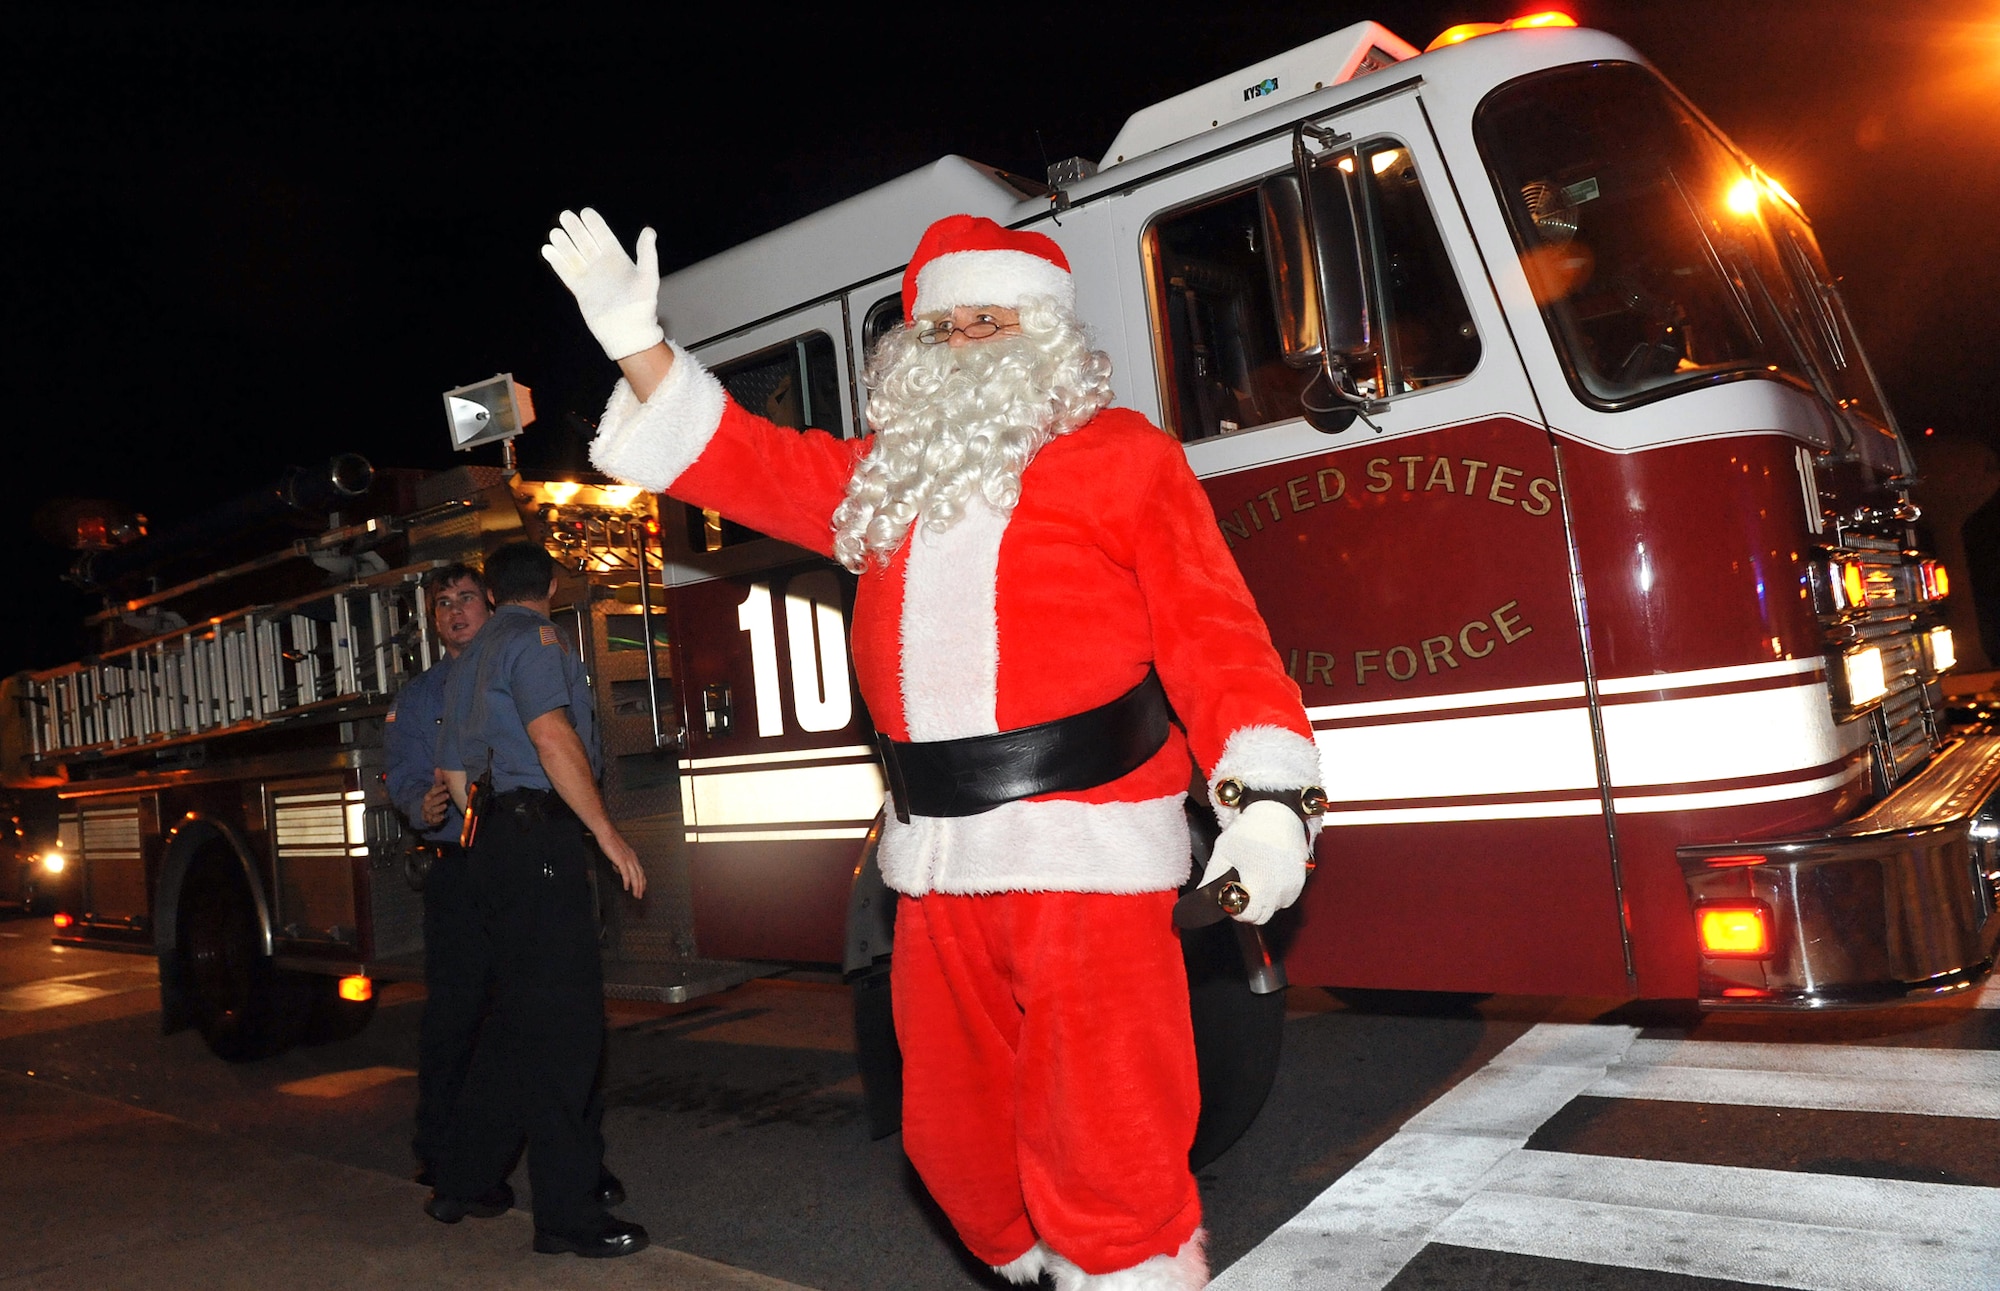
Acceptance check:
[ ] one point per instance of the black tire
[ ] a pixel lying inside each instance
(330, 1019)
(1410, 1004)
(1238, 1034)
(1238, 1037)
(876, 1051)
(245, 1009)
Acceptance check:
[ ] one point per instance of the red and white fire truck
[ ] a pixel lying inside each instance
(1534, 419)
(218, 761)
(1538, 427)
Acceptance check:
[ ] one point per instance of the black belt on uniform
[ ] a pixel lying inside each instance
(978, 773)
(530, 804)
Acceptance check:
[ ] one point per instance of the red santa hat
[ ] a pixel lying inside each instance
(970, 260)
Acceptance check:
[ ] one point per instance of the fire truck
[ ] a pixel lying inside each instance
(1541, 434)
(217, 763)
(1540, 431)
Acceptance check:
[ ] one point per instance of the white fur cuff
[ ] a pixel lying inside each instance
(650, 444)
(1264, 757)
(1028, 1269)
(1185, 1270)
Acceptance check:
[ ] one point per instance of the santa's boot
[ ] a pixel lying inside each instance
(1186, 1270)
(1027, 1271)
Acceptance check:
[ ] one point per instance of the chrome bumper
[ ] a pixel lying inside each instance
(1896, 903)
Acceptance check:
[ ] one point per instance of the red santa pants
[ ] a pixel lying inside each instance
(1049, 1082)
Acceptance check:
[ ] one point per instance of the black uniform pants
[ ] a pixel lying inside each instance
(535, 1067)
(457, 969)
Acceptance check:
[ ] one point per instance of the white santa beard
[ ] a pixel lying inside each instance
(954, 423)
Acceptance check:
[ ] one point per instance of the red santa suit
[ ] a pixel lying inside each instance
(1039, 994)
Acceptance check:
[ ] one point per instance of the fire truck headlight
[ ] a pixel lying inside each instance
(1736, 930)
(53, 862)
(1937, 643)
(1866, 681)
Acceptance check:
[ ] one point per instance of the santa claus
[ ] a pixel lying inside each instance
(1041, 576)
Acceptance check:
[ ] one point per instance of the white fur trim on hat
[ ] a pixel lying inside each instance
(1265, 757)
(1055, 845)
(1185, 1270)
(1003, 278)
(650, 444)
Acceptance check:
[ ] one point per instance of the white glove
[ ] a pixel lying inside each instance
(620, 298)
(1266, 846)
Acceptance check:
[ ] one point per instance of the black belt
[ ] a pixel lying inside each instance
(530, 804)
(978, 773)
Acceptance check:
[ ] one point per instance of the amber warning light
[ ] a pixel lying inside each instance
(1737, 931)
(357, 989)
(1467, 30)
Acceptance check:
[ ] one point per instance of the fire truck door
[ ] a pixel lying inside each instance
(778, 778)
(1413, 568)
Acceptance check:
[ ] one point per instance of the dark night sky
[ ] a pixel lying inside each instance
(242, 239)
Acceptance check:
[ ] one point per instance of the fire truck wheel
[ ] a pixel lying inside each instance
(330, 1019)
(243, 1006)
(1238, 1033)
(1238, 1036)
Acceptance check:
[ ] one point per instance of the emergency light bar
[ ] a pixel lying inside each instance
(1467, 30)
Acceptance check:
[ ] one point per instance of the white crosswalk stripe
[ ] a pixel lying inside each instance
(1459, 1173)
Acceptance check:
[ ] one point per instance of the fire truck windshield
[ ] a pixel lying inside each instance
(1659, 257)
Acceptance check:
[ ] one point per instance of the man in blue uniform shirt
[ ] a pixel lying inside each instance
(519, 721)
(455, 962)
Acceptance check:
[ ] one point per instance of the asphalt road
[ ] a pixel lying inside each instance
(1532, 1143)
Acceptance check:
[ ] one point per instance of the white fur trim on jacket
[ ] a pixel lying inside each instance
(1056, 845)
(1265, 757)
(1186, 1270)
(651, 443)
(951, 627)
(1003, 278)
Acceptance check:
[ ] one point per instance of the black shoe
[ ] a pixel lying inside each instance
(617, 1237)
(491, 1204)
(609, 1192)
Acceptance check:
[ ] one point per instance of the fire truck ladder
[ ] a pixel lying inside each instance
(330, 650)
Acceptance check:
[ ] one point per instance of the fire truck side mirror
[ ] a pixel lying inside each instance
(1310, 252)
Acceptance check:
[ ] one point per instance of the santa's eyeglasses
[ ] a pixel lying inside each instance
(977, 330)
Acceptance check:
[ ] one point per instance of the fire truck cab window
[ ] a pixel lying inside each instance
(1660, 260)
(795, 383)
(1215, 326)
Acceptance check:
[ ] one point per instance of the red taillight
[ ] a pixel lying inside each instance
(63, 921)
(356, 988)
(1739, 930)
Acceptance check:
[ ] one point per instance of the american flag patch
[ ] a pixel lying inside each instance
(548, 636)
(389, 716)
